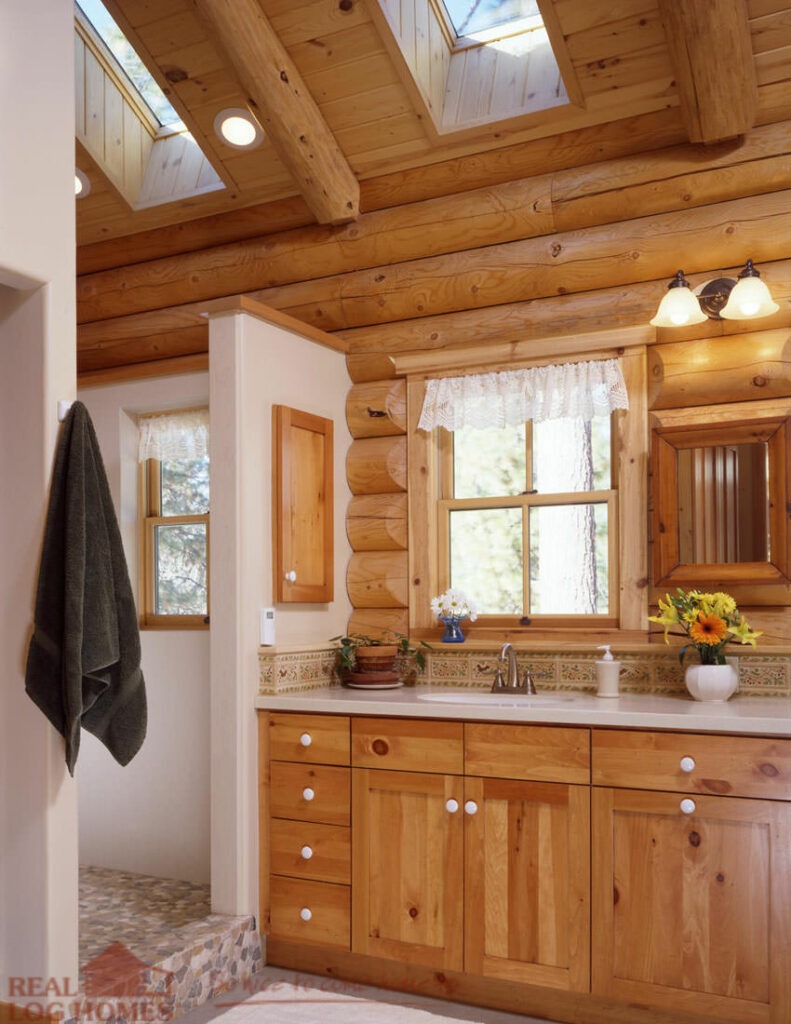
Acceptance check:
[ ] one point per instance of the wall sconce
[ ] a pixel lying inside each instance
(724, 298)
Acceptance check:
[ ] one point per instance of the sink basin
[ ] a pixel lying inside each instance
(497, 700)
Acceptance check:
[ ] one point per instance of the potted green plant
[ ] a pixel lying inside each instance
(368, 660)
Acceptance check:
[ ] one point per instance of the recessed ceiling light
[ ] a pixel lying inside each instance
(82, 183)
(238, 128)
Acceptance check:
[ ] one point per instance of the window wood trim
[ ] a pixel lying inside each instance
(628, 543)
(150, 517)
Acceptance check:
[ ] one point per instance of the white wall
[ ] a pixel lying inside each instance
(252, 366)
(38, 826)
(152, 816)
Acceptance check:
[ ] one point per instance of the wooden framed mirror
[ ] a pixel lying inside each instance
(720, 502)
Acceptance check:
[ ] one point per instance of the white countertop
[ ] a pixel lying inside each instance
(764, 716)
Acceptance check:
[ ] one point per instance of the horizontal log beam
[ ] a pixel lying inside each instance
(567, 200)
(575, 261)
(644, 133)
(752, 366)
(376, 409)
(144, 371)
(104, 354)
(288, 113)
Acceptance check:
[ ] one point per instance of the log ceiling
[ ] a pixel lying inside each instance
(675, 151)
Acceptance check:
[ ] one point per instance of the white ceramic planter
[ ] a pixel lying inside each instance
(715, 683)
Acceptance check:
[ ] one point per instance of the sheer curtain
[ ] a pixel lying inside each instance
(561, 391)
(175, 435)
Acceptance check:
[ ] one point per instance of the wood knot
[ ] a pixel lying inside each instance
(440, 977)
(716, 785)
(769, 770)
(346, 5)
(615, 896)
(556, 249)
(720, 876)
(759, 381)
(283, 76)
(380, 747)
(175, 75)
(694, 839)
(413, 912)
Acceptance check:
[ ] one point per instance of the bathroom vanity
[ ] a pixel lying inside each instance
(588, 864)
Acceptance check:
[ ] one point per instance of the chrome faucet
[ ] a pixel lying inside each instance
(508, 655)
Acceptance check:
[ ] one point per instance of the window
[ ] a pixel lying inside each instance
(175, 522)
(471, 16)
(517, 490)
(526, 519)
(136, 71)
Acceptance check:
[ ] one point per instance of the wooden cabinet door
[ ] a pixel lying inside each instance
(692, 911)
(302, 506)
(407, 850)
(527, 882)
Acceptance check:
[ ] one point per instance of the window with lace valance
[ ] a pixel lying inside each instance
(527, 490)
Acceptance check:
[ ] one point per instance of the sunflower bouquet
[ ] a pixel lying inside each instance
(710, 621)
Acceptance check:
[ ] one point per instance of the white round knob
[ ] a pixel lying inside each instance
(307, 793)
(306, 913)
(291, 576)
(471, 807)
(451, 806)
(687, 764)
(306, 852)
(687, 806)
(306, 739)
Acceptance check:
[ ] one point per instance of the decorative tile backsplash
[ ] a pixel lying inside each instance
(648, 669)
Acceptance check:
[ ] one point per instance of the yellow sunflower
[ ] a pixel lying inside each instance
(709, 629)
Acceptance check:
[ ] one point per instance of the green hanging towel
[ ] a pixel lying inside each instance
(83, 665)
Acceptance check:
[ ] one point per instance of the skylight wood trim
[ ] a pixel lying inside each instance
(461, 86)
(557, 40)
(115, 72)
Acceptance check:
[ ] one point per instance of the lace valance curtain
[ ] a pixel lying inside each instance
(172, 436)
(563, 391)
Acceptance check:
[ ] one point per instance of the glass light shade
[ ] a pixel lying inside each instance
(82, 184)
(238, 128)
(749, 298)
(678, 308)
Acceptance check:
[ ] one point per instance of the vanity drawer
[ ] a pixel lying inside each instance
(537, 753)
(309, 792)
(689, 763)
(313, 739)
(307, 911)
(305, 849)
(408, 744)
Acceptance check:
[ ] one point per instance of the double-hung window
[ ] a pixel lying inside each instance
(174, 460)
(527, 493)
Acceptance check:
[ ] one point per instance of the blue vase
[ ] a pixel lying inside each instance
(453, 633)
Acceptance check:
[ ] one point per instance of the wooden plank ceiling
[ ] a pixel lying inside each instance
(647, 76)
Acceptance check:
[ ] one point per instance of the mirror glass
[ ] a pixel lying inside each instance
(723, 503)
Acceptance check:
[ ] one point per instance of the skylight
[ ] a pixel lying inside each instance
(124, 53)
(471, 16)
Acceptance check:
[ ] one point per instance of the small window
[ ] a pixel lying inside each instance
(175, 522)
(471, 16)
(527, 520)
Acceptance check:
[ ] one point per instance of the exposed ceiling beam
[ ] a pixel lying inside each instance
(709, 42)
(288, 113)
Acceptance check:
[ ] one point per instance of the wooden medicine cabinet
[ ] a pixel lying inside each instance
(302, 506)
(720, 502)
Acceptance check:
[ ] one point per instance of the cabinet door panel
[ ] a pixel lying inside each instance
(527, 882)
(407, 851)
(691, 910)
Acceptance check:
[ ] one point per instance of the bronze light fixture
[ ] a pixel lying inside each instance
(724, 298)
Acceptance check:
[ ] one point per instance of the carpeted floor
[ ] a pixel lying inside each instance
(287, 997)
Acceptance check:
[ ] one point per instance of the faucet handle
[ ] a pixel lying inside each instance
(499, 682)
(528, 686)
